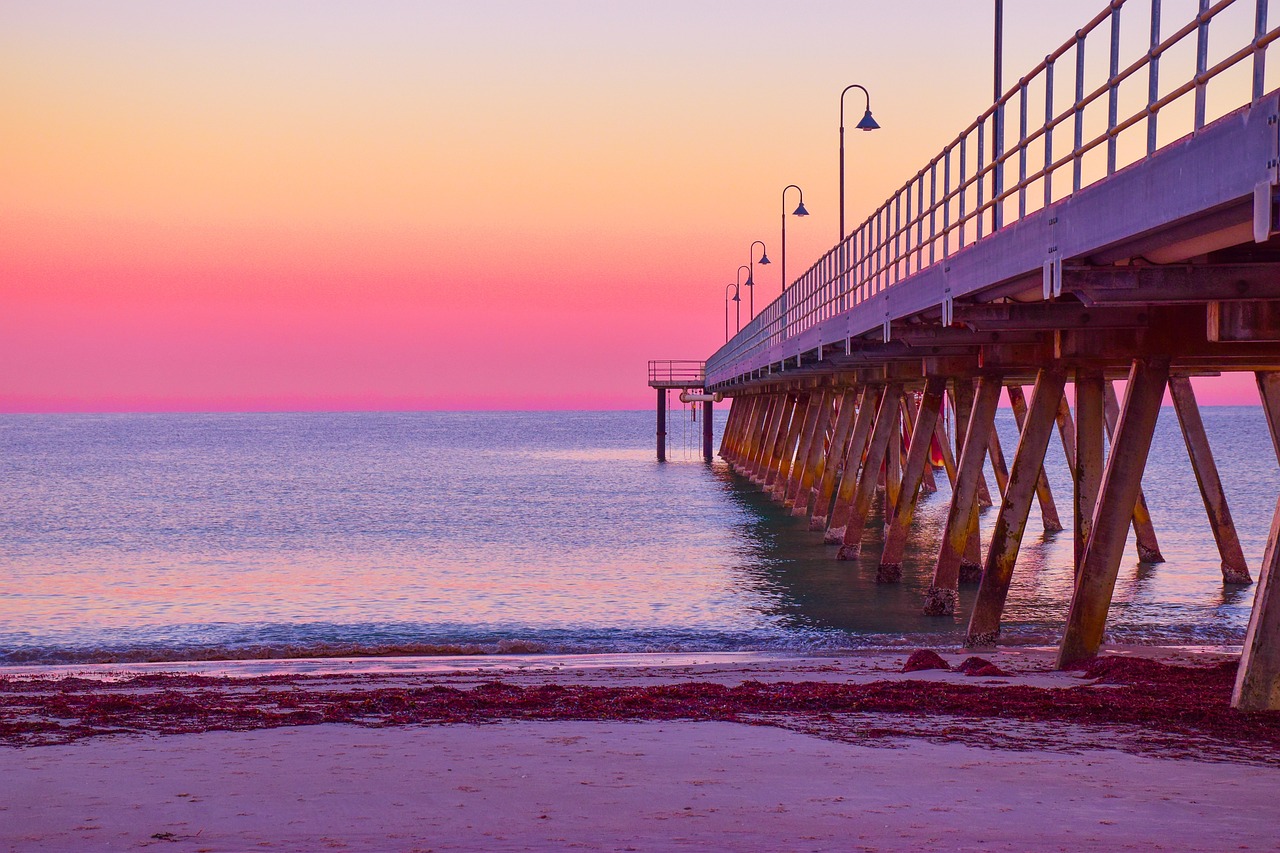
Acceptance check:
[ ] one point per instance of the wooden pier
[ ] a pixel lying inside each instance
(1055, 266)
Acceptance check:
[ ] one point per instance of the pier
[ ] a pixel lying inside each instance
(1060, 243)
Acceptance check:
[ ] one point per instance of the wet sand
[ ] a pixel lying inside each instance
(813, 781)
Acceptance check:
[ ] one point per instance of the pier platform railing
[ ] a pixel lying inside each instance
(1078, 118)
(677, 373)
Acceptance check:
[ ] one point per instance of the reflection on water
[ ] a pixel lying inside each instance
(555, 529)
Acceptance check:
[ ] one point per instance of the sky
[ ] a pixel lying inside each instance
(254, 205)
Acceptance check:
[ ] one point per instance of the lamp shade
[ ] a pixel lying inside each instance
(764, 259)
(800, 211)
(868, 123)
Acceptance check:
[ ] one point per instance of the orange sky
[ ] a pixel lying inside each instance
(313, 205)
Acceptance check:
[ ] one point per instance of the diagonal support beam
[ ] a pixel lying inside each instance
(799, 416)
(1143, 530)
(944, 593)
(812, 416)
(862, 424)
(1044, 495)
(1121, 483)
(835, 455)
(1258, 679)
(886, 419)
(926, 420)
(1234, 568)
(1011, 522)
(807, 463)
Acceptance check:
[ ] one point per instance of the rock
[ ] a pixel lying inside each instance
(980, 666)
(924, 659)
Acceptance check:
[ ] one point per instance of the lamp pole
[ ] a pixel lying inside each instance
(726, 309)
(997, 124)
(799, 211)
(751, 287)
(867, 123)
(764, 259)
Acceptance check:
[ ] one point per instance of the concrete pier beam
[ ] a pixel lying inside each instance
(1121, 482)
(1234, 568)
(1011, 522)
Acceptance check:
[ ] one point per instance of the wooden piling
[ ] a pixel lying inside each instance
(708, 430)
(886, 420)
(869, 404)
(1084, 446)
(812, 415)
(1234, 568)
(926, 421)
(1028, 463)
(963, 513)
(799, 421)
(662, 424)
(799, 497)
(1121, 482)
(790, 423)
(1257, 685)
(840, 432)
(762, 458)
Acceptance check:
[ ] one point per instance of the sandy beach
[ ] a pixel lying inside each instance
(556, 753)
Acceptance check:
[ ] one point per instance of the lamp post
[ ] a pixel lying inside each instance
(867, 123)
(726, 309)
(751, 285)
(764, 259)
(799, 211)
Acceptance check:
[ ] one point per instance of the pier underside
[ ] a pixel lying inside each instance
(829, 435)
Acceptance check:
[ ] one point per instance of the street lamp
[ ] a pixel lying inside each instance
(764, 259)
(726, 309)
(751, 284)
(867, 123)
(799, 211)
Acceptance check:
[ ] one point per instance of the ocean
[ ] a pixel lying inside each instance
(154, 537)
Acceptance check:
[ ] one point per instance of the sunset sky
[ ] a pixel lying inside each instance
(269, 205)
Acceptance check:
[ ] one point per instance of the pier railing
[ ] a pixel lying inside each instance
(677, 373)
(1078, 117)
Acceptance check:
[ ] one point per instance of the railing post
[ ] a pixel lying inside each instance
(1113, 93)
(978, 180)
(1153, 78)
(1259, 53)
(1048, 132)
(1202, 61)
(1022, 152)
(962, 189)
(1078, 108)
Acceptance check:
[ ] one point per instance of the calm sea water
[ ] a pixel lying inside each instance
(170, 536)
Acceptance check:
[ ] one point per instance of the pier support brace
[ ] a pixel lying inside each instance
(1025, 476)
(812, 415)
(1121, 482)
(963, 513)
(1258, 679)
(1044, 495)
(835, 457)
(801, 491)
(868, 404)
(1234, 569)
(886, 420)
(763, 459)
(926, 420)
(1143, 530)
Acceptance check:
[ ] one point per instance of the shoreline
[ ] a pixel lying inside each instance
(742, 751)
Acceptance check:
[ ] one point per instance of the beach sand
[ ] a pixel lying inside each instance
(808, 783)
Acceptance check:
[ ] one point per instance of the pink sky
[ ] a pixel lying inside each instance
(497, 204)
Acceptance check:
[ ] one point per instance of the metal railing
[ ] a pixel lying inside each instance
(987, 176)
(677, 372)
